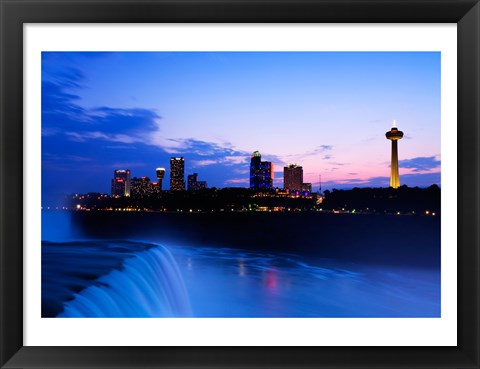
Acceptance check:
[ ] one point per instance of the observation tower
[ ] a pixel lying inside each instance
(160, 175)
(394, 135)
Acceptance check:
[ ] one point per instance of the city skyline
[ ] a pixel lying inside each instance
(326, 111)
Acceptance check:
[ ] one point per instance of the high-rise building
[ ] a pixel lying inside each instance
(194, 184)
(261, 172)
(394, 135)
(121, 182)
(177, 174)
(192, 181)
(160, 175)
(140, 187)
(293, 177)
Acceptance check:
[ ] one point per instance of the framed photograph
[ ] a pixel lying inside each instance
(228, 184)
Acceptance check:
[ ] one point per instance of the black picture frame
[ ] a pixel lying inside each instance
(15, 13)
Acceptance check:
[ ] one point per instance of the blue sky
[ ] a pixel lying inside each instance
(326, 111)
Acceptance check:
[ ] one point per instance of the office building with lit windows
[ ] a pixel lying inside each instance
(177, 174)
(307, 187)
(121, 182)
(261, 172)
(293, 177)
(194, 184)
(141, 187)
(192, 181)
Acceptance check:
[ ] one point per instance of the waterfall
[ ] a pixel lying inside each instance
(149, 284)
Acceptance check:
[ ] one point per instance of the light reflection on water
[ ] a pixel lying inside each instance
(225, 282)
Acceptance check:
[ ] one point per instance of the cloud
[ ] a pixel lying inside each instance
(63, 115)
(241, 171)
(202, 163)
(54, 157)
(68, 76)
(421, 179)
(119, 147)
(234, 160)
(121, 119)
(78, 158)
(49, 131)
(194, 146)
(420, 164)
(224, 160)
(316, 151)
(56, 100)
(323, 148)
(122, 138)
(237, 181)
(82, 137)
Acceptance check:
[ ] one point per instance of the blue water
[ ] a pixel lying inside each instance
(235, 283)
(148, 285)
(143, 278)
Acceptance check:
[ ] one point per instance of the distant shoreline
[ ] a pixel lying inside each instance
(401, 201)
(336, 212)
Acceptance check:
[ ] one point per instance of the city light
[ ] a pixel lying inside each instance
(193, 196)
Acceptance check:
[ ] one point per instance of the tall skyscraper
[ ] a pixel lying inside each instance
(121, 182)
(177, 174)
(160, 176)
(394, 135)
(293, 177)
(261, 172)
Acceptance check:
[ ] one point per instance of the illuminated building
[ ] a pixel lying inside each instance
(307, 187)
(177, 176)
(394, 135)
(121, 182)
(261, 172)
(140, 187)
(160, 176)
(192, 181)
(194, 184)
(293, 177)
(201, 185)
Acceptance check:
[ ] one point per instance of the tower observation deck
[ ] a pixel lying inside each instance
(394, 135)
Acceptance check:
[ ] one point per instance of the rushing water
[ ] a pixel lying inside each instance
(111, 279)
(84, 277)
(239, 283)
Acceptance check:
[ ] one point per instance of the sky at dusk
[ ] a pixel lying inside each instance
(326, 111)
